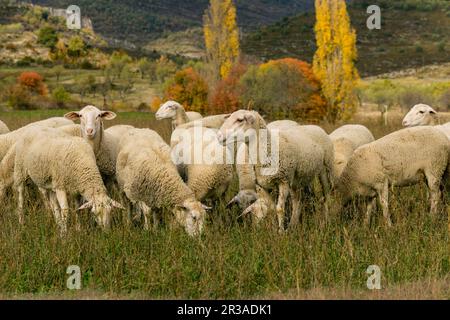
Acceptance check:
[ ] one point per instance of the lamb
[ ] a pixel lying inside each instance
(92, 130)
(424, 115)
(347, 139)
(7, 140)
(175, 111)
(402, 158)
(3, 128)
(59, 165)
(300, 158)
(146, 174)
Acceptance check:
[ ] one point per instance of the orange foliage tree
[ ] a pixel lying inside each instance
(225, 98)
(188, 88)
(33, 82)
(283, 88)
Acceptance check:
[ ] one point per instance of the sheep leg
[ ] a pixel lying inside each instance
(20, 191)
(146, 213)
(61, 196)
(283, 193)
(54, 205)
(370, 206)
(295, 218)
(435, 193)
(326, 187)
(384, 200)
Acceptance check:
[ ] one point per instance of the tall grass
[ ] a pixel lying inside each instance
(232, 259)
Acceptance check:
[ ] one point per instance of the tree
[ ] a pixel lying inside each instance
(57, 71)
(33, 82)
(188, 88)
(48, 37)
(117, 62)
(221, 37)
(334, 60)
(76, 47)
(60, 52)
(284, 88)
(146, 67)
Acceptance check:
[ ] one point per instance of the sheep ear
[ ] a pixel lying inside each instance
(433, 112)
(72, 115)
(108, 115)
(227, 116)
(87, 205)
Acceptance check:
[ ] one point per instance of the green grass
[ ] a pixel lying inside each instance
(232, 259)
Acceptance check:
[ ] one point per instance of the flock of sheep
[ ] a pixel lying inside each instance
(63, 159)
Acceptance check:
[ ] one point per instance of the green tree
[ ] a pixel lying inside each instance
(48, 37)
(76, 47)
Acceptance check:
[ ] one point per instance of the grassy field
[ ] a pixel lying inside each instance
(232, 259)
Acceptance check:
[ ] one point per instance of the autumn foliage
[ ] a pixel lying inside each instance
(284, 88)
(190, 89)
(225, 97)
(33, 82)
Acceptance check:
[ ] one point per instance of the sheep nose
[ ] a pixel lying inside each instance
(89, 131)
(405, 123)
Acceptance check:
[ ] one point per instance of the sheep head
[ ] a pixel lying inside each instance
(239, 125)
(168, 110)
(91, 120)
(191, 214)
(101, 207)
(420, 115)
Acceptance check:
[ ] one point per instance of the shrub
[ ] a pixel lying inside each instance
(283, 88)
(33, 82)
(155, 104)
(60, 95)
(188, 88)
(225, 97)
(48, 37)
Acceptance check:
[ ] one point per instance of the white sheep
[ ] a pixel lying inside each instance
(60, 165)
(202, 161)
(296, 158)
(424, 115)
(175, 111)
(421, 115)
(146, 174)
(3, 128)
(119, 130)
(92, 131)
(347, 139)
(402, 158)
(7, 140)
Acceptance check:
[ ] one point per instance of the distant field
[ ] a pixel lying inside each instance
(232, 259)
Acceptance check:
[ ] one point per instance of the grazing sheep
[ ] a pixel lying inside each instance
(175, 111)
(3, 128)
(402, 158)
(92, 130)
(347, 139)
(300, 158)
(59, 165)
(146, 174)
(7, 140)
(202, 161)
(421, 115)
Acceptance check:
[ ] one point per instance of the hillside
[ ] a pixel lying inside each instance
(139, 21)
(418, 34)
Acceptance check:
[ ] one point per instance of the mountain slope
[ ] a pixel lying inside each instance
(408, 38)
(142, 20)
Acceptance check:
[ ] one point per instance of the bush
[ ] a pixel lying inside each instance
(225, 97)
(33, 82)
(48, 37)
(284, 88)
(60, 95)
(188, 88)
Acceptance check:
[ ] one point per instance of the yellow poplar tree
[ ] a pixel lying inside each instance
(334, 60)
(221, 37)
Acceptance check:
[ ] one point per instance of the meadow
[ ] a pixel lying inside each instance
(232, 259)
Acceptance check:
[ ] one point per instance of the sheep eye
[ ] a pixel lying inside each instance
(240, 120)
(421, 112)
